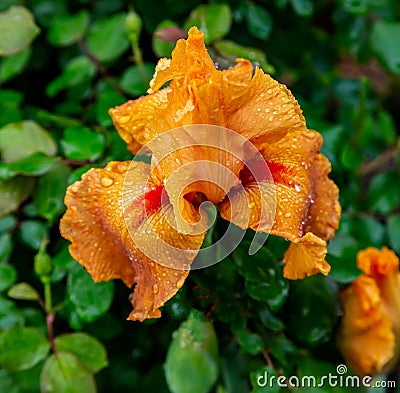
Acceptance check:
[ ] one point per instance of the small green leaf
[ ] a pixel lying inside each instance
(90, 351)
(81, 143)
(35, 165)
(63, 373)
(191, 365)
(67, 29)
(91, 300)
(302, 7)
(264, 277)
(387, 128)
(42, 263)
(13, 192)
(10, 102)
(49, 195)
(8, 276)
(6, 246)
(132, 82)
(385, 44)
(33, 232)
(17, 30)
(22, 139)
(214, 20)
(108, 98)
(78, 71)
(22, 348)
(393, 227)
(160, 47)
(107, 38)
(259, 21)
(23, 291)
(14, 65)
(312, 309)
(251, 343)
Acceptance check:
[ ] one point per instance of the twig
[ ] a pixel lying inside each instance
(380, 162)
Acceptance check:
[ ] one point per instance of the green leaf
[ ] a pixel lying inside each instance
(7, 223)
(13, 192)
(214, 20)
(312, 309)
(34, 165)
(14, 65)
(63, 373)
(387, 128)
(78, 71)
(160, 47)
(251, 343)
(108, 98)
(107, 38)
(49, 194)
(191, 365)
(384, 202)
(8, 276)
(17, 30)
(393, 227)
(132, 82)
(81, 143)
(264, 277)
(233, 51)
(302, 7)
(7, 384)
(33, 232)
(259, 21)
(23, 291)
(90, 351)
(10, 101)
(22, 348)
(6, 246)
(68, 29)
(91, 300)
(22, 139)
(385, 44)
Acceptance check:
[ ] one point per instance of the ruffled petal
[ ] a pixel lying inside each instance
(130, 119)
(324, 213)
(377, 263)
(190, 61)
(365, 337)
(305, 257)
(112, 225)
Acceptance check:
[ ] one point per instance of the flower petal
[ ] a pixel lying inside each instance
(365, 336)
(130, 118)
(96, 226)
(190, 61)
(305, 257)
(377, 263)
(324, 212)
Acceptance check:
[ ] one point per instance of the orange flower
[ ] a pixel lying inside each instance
(369, 336)
(116, 225)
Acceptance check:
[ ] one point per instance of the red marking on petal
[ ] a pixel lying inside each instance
(256, 171)
(152, 199)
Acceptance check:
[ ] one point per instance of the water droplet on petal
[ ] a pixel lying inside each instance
(106, 182)
(155, 288)
(180, 282)
(287, 215)
(297, 187)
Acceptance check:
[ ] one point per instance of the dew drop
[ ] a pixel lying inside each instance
(287, 215)
(106, 182)
(297, 187)
(180, 282)
(155, 288)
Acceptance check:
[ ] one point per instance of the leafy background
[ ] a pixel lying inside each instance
(62, 65)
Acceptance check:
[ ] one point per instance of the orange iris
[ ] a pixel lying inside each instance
(369, 335)
(252, 105)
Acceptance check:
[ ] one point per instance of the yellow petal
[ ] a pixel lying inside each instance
(305, 257)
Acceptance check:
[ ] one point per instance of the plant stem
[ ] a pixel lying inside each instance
(138, 58)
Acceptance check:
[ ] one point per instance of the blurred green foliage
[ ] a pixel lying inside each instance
(62, 65)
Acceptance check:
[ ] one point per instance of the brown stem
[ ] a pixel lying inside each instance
(50, 330)
(380, 162)
(100, 68)
(268, 358)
